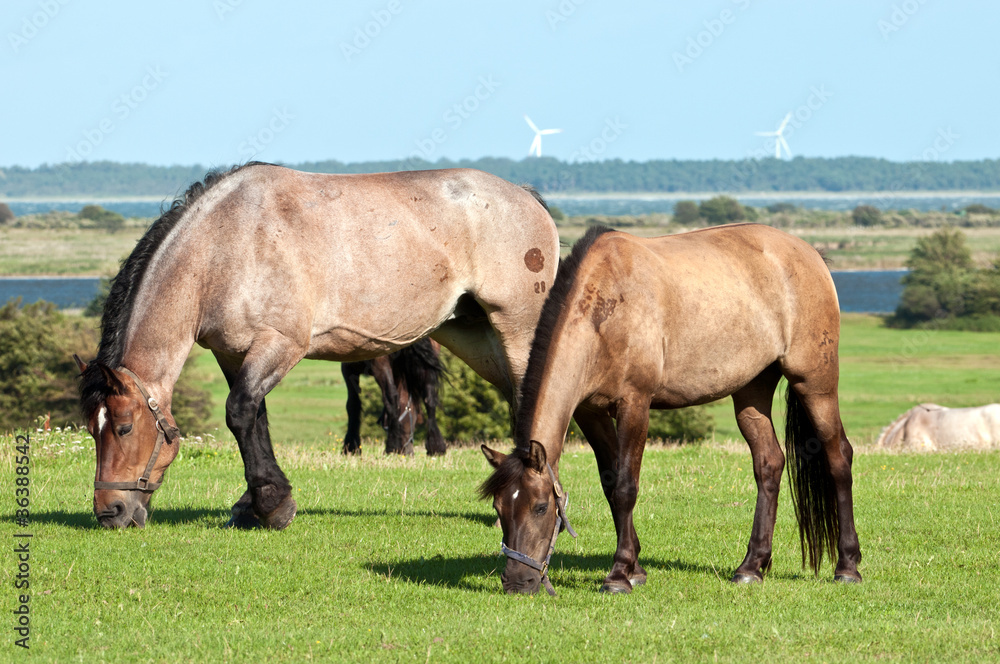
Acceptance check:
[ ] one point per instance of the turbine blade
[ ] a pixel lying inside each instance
(531, 124)
(546, 132)
(536, 146)
(783, 143)
(784, 123)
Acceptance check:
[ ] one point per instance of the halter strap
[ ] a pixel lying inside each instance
(562, 500)
(164, 431)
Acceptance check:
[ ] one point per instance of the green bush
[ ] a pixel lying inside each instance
(471, 408)
(106, 219)
(686, 212)
(945, 289)
(683, 424)
(6, 215)
(866, 215)
(721, 210)
(37, 373)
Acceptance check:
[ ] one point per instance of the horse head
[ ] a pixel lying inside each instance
(130, 432)
(531, 506)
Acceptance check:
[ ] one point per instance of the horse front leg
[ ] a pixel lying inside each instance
(392, 405)
(246, 415)
(633, 424)
(599, 430)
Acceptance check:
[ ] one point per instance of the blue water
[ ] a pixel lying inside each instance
(66, 293)
(868, 291)
(581, 205)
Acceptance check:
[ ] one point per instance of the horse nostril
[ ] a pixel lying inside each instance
(111, 513)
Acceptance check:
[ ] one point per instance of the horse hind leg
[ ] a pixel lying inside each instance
(352, 373)
(753, 416)
(820, 458)
(435, 444)
(266, 363)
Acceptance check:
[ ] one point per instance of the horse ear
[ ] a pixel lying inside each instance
(80, 364)
(115, 383)
(495, 458)
(537, 459)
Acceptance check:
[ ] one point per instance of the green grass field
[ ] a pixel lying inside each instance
(393, 559)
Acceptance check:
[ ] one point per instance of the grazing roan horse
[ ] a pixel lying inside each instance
(265, 266)
(407, 378)
(633, 324)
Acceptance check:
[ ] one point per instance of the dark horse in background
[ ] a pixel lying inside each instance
(265, 266)
(406, 378)
(669, 322)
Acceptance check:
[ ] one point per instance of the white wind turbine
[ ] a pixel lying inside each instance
(536, 145)
(779, 139)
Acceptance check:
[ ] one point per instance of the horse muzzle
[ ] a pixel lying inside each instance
(122, 513)
(523, 580)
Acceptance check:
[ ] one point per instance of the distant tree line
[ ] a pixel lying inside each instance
(550, 175)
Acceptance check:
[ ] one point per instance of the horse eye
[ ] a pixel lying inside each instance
(541, 509)
(124, 429)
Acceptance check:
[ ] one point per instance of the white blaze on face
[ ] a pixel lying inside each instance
(514, 497)
(102, 419)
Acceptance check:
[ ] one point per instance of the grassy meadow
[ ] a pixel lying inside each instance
(393, 559)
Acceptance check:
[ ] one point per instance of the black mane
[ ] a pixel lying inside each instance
(121, 297)
(551, 310)
(537, 196)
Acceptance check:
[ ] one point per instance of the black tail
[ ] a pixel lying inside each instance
(812, 487)
(421, 368)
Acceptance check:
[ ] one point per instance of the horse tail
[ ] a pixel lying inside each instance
(813, 490)
(421, 367)
(889, 434)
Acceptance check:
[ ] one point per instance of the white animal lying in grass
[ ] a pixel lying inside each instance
(933, 428)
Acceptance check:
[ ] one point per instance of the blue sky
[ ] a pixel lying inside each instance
(215, 82)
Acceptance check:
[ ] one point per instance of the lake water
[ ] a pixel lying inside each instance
(581, 204)
(862, 291)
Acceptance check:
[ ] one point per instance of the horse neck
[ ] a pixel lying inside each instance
(566, 381)
(158, 342)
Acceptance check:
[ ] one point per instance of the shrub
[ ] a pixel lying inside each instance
(721, 210)
(556, 214)
(37, 373)
(866, 215)
(686, 212)
(106, 219)
(683, 424)
(782, 208)
(6, 215)
(979, 208)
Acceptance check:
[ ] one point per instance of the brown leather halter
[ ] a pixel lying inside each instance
(164, 431)
(562, 500)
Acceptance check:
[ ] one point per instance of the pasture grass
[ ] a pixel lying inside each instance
(394, 559)
(71, 252)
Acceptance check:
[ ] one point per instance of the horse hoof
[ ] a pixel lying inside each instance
(637, 580)
(847, 578)
(243, 518)
(746, 578)
(616, 588)
(281, 516)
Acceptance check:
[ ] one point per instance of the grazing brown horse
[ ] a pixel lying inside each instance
(407, 378)
(633, 324)
(265, 266)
